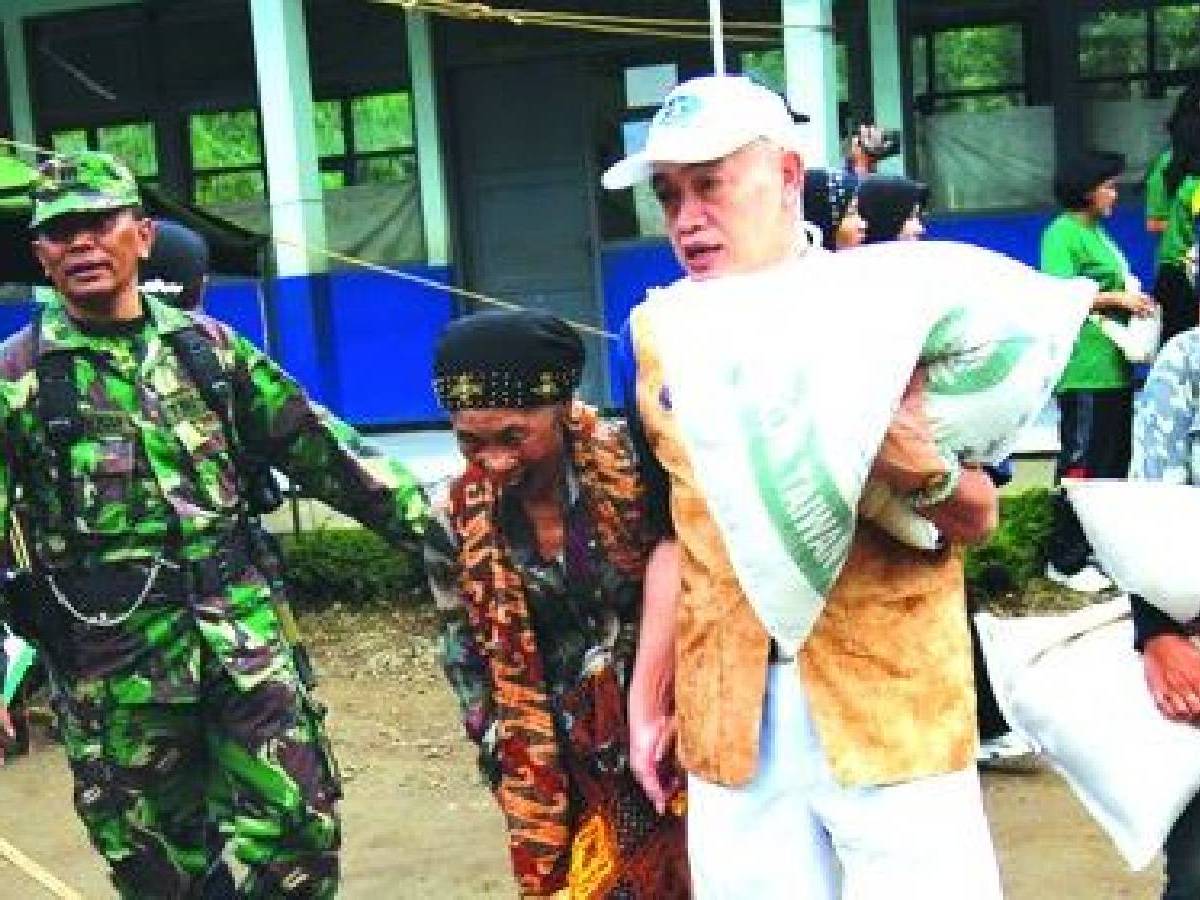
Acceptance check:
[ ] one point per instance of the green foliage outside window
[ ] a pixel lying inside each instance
(981, 59)
(70, 141)
(133, 142)
(1112, 43)
(229, 187)
(225, 139)
(1178, 32)
(767, 68)
(327, 120)
(978, 57)
(382, 122)
(333, 180)
(385, 170)
(378, 150)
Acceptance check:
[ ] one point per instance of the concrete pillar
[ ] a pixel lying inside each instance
(810, 65)
(20, 101)
(431, 170)
(299, 302)
(887, 74)
(286, 107)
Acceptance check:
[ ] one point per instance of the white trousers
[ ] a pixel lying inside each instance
(795, 833)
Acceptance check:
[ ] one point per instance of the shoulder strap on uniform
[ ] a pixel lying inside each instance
(216, 387)
(58, 410)
(199, 360)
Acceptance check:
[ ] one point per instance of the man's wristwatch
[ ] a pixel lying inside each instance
(938, 487)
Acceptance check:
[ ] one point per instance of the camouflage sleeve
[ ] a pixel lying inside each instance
(462, 662)
(7, 486)
(325, 456)
(1166, 423)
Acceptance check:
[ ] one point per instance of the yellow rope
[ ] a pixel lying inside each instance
(36, 873)
(681, 29)
(432, 283)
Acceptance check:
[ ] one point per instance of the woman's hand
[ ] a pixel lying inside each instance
(1133, 302)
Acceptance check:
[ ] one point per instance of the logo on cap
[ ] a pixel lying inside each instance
(678, 110)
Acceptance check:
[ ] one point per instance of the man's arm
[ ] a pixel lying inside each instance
(909, 461)
(971, 513)
(324, 455)
(652, 687)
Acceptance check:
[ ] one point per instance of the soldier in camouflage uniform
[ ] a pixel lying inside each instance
(184, 721)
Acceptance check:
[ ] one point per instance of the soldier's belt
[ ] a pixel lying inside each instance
(106, 590)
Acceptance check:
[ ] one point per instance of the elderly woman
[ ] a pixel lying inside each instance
(1095, 393)
(536, 561)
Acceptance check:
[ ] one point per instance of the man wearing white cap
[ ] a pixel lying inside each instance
(846, 770)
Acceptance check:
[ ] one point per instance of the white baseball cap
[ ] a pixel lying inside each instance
(708, 118)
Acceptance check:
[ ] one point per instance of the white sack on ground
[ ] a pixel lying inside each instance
(783, 383)
(1074, 687)
(1143, 533)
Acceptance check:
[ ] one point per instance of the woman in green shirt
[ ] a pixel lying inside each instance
(1173, 290)
(1095, 397)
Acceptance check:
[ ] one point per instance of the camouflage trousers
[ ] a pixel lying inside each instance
(162, 788)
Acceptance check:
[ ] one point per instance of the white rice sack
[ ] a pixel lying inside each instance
(990, 369)
(1144, 534)
(783, 384)
(1073, 686)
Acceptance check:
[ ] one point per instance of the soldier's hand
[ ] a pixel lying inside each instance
(7, 733)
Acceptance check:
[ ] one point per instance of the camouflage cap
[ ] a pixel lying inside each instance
(88, 181)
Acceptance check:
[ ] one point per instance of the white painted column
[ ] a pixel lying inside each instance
(716, 27)
(431, 169)
(887, 73)
(811, 70)
(286, 106)
(20, 103)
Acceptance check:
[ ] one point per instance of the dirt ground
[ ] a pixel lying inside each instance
(419, 825)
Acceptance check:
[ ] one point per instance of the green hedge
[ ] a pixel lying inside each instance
(1015, 553)
(351, 566)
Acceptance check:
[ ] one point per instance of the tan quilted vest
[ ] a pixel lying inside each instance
(887, 670)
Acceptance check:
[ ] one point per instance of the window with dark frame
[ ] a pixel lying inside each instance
(969, 68)
(1129, 51)
(132, 142)
(367, 139)
(226, 152)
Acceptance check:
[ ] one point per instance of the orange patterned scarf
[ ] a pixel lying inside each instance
(533, 789)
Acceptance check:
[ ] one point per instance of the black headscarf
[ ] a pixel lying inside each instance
(886, 202)
(827, 196)
(508, 359)
(1184, 128)
(1083, 174)
(178, 256)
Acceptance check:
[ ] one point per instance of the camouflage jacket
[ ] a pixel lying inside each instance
(153, 475)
